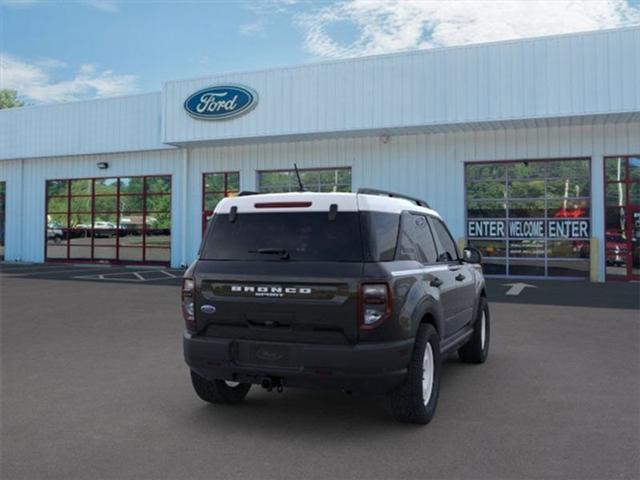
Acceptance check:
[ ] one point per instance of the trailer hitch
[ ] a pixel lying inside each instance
(269, 383)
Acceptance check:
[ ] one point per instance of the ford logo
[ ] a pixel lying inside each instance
(208, 309)
(269, 355)
(221, 102)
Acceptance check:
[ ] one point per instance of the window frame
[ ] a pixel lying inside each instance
(3, 216)
(627, 207)
(301, 170)
(440, 247)
(427, 217)
(547, 177)
(94, 215)
(226, 192)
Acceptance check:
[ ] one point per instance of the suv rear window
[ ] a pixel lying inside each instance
(305, 236)
(350, 237)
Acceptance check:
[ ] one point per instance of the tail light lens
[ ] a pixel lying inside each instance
(188, 308)
(375, 305)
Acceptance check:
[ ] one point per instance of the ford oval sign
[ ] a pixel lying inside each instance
(221, 102)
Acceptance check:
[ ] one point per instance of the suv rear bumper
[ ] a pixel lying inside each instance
(365, 367)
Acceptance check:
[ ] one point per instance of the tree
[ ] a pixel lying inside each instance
(9, 99)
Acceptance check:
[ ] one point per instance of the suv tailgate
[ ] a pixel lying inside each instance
(307, 302)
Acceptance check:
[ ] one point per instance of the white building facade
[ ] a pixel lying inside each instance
(529, 149)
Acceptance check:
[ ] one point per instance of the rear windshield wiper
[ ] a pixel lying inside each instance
(284, 254)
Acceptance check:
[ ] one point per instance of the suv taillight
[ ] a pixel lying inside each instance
(187, 303)
(375, 305)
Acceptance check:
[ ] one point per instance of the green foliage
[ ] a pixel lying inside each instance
(9, 99)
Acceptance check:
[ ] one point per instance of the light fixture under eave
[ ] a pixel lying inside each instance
(102, 165)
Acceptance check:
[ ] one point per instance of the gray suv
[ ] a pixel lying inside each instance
(361, 292)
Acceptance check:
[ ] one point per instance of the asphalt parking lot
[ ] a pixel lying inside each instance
(94, 386)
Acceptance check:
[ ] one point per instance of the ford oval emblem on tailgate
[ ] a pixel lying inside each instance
(269, 355)
(208, 309)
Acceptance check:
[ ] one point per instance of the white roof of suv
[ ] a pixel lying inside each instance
(318, 202)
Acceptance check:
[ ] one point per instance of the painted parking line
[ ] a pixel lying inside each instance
(135, 277)
(112, 277)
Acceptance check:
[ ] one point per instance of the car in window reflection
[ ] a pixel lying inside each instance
(571, 212)
(616, 247)
(54, 233)
(104, 229)
(581, 248)
(133, 225)
(100, 229)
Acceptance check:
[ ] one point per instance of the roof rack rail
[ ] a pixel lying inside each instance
(375, 191)
(246, 193)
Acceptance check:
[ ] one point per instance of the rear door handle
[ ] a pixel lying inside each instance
(460, 277)
(436, 282)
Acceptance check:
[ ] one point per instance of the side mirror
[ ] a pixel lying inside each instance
(471, 255)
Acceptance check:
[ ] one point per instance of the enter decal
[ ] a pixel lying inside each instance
(568, 229)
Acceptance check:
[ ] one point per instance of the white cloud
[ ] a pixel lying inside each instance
(33, 81)
(50, 63)
(252, 29)
(387, 26)
(265, 7)
(109, 6)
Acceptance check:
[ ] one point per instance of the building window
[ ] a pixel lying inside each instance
(3, 187)
(314, 180)
(215, 187)
(530, 218)
(622, 217)
(120, 219)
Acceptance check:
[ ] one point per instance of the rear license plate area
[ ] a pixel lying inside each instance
(264, 354)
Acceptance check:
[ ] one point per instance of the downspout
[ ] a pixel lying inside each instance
(20, 185)
(185, 217)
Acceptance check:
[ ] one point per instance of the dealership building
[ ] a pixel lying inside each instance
(529, 149)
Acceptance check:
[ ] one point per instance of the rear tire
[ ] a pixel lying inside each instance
(476, 349)
(219, 391)
(416, 400)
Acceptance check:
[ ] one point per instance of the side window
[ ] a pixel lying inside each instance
(450, 252)
(380, 235)
(416, 242)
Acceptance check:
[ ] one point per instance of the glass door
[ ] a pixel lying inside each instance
(2, 200)
(634, 244)
(622, 218)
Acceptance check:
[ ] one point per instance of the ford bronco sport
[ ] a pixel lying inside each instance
(362, 292)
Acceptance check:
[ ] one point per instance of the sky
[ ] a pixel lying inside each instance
(57, 51)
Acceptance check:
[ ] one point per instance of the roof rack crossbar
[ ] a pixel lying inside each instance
(375, 191)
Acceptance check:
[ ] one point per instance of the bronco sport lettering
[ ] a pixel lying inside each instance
(275, 291)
